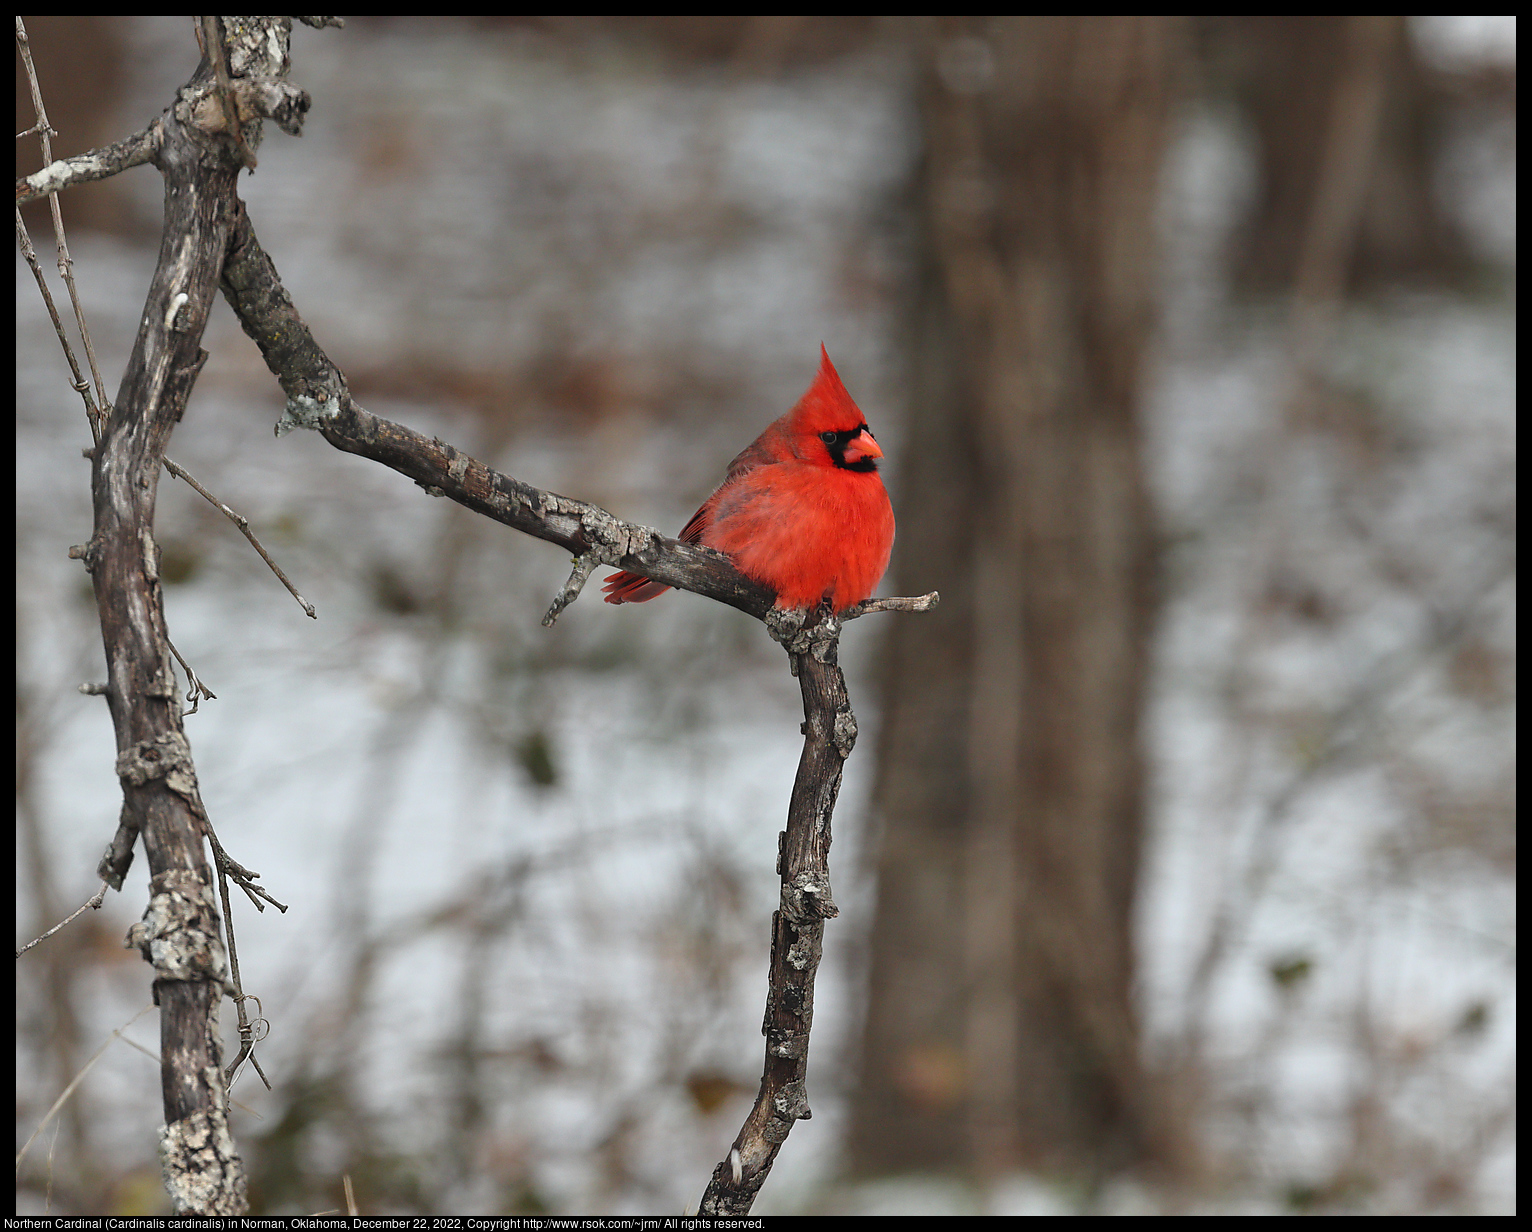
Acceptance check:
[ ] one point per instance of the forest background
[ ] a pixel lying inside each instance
(531, 870)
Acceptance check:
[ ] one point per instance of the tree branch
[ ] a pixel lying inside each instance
(893, 603)
(45, 130)
(317, 398)
(199, 146)
(93, 903)
(100, 164)
(797, 927)
(179, 935)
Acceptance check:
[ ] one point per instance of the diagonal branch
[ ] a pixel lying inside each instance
(317, 398)
(243, 523)
(93, 902)
(199, 146)
(45, 133)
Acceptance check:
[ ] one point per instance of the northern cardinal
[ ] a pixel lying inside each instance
(802, 509)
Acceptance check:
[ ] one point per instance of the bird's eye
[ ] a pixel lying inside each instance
(827, 437)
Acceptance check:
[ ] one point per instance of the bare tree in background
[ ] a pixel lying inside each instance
(1000, 1032)
(1299, 79)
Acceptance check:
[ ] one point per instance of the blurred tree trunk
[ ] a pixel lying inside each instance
(1349, 124)
(1001, 1030)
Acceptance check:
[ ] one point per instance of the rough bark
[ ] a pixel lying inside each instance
(209, 243)
(199, 152)
(797, 930)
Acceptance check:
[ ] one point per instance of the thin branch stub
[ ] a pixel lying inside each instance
(578, 576)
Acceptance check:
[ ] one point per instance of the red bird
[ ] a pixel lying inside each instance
(802, 509)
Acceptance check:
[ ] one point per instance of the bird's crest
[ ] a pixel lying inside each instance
(826, 406)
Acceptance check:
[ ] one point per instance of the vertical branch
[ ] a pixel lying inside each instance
(179, 933)
(797, 927)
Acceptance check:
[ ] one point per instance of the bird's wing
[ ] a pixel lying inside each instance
(765, 450)
(692, 531)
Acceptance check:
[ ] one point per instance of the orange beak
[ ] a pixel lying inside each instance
(862, 446)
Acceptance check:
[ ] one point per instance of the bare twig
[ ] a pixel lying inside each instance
(243, 523)
(244, 878)
(578, 576)
(247, 1038)
(65, 262)
(75, 1082)
(914, 603)
(100, 164)
(79, 384)
(195, 689)
(93, 903)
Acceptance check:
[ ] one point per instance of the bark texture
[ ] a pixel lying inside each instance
(199, 147)
(797, 927)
